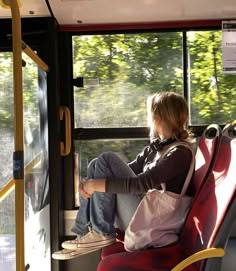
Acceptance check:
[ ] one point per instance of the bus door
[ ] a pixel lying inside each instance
(36, 177)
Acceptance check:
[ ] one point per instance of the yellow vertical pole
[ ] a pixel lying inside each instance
(18, 156)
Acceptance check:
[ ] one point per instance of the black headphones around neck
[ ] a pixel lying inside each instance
(158, 144)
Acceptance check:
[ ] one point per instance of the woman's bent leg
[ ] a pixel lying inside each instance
(82, 220)
(99, 212)
(126, 205)
(103, 206)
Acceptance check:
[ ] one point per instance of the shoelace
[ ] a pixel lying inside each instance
(86, 236)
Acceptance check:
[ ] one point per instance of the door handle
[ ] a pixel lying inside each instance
(65, 148)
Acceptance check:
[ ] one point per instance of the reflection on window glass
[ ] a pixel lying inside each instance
(35, 135)
(31, 111)
(119, 72)
(212, 94)
(37, 217)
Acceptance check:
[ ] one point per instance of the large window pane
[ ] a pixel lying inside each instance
(119, 71)
(212, 94)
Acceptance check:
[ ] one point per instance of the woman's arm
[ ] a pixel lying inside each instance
(170, 169)
(88, 186)
(137, 164)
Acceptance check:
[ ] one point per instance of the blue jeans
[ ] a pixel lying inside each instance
(105, 211)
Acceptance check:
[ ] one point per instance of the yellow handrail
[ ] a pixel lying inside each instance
(10, 185)
(18, 163)
(34, 57)
(7, 189)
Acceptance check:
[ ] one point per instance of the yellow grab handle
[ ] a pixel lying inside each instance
(66, 148)
(7, 189)
(201, 255)
(30, 53)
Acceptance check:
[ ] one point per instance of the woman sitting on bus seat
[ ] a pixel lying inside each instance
(113, 189)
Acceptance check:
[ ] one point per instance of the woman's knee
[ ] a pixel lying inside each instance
(107, 155)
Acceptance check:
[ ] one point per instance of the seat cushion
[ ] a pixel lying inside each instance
(161, 259)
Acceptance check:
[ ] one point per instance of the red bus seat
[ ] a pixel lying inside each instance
(205, 154)
(207, 226)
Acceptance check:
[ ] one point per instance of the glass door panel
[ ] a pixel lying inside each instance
(7, 205)
(37, 218)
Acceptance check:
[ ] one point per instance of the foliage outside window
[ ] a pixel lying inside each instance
(127, 68)
(120, 70)
(212, 94)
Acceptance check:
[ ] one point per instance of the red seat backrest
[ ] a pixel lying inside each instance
(210, 207)
(205, 156)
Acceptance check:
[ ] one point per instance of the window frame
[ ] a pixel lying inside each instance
(142, 132)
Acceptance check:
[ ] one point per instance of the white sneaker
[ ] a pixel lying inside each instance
(67, 254)
(90, 240)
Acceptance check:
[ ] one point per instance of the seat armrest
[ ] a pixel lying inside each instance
(203, 254)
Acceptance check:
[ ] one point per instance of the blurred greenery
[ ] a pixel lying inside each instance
(129, 67)
(213, 94)
(31, 118)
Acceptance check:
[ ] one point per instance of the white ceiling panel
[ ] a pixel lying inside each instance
(125, 11)
(29, 8)
(69, 12)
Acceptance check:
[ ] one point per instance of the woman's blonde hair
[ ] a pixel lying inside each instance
(171, 108)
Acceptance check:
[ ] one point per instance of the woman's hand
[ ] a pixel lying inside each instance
(89, 186)
(82, 192)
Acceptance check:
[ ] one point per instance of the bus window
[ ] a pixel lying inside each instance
(212, 94)
(119, 71)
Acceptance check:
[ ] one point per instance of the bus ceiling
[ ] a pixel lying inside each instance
(93, 12)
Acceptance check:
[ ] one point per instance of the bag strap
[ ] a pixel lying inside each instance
(191, 168)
